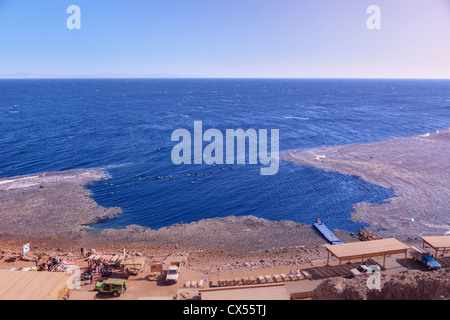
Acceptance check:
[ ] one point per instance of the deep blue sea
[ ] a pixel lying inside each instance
(125, 126)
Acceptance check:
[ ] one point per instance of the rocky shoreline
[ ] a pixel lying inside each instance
(50, 204)
(58, 208)
(416, 168)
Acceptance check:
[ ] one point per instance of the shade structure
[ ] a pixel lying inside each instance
(134, 262)
(367, 249)
(437, 243)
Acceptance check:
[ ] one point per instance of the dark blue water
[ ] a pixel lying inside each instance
(125, 126)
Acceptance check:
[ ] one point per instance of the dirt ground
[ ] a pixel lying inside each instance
(216, 265)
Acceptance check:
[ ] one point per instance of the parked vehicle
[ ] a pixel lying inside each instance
(114, 286)
(173, 272)
(363, 269)
(424, 256)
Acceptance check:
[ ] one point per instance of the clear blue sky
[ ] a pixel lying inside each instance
(227, 38)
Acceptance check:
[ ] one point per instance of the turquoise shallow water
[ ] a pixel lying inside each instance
(125, 126)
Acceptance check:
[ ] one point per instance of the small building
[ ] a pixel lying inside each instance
(134, 265)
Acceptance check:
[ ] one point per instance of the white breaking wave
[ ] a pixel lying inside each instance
(81, 176)
(298, 118)
(119, 165)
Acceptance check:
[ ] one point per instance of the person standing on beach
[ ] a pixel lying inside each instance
(82, 252)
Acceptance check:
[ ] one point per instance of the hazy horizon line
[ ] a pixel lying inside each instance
(180, 76)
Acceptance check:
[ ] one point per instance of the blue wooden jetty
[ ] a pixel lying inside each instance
(327, 233)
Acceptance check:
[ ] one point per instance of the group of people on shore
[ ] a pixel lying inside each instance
(47, 265)
(102, 269)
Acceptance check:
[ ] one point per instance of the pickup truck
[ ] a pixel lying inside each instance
(173, 272)
(364, 270)
(424, 256)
